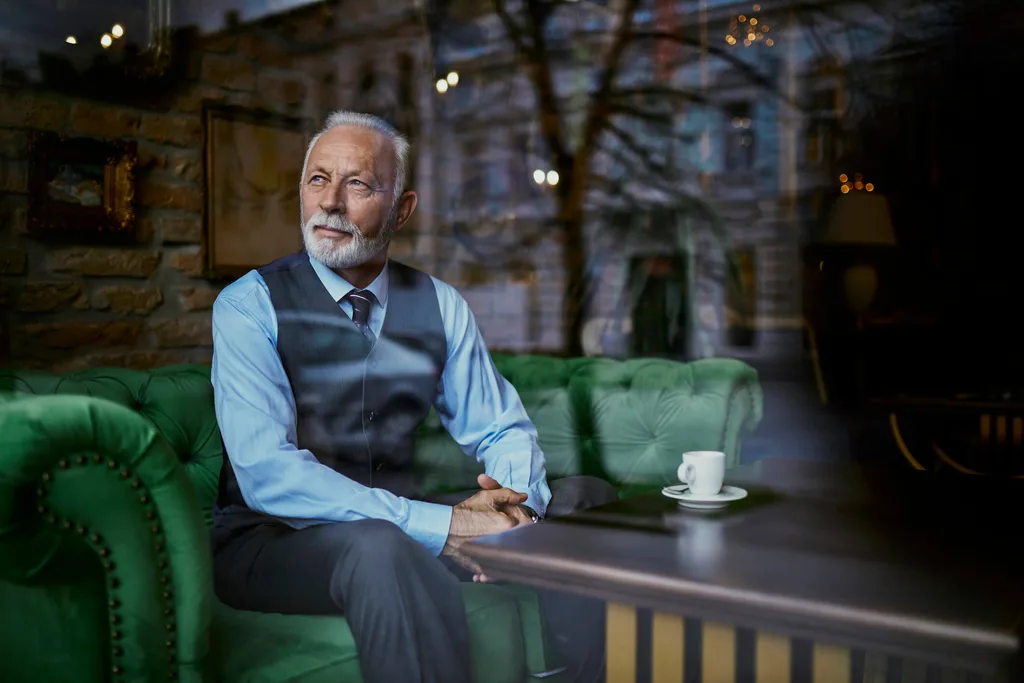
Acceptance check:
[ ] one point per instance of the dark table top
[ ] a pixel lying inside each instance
(903, 562)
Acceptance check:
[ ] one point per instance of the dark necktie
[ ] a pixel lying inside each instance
(361, 301)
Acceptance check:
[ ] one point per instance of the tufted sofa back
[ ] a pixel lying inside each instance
(176, 399)
(626, 421)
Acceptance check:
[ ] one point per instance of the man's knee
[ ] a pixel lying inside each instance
(573, 494)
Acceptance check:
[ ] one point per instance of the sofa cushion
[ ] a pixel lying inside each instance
(250, 647)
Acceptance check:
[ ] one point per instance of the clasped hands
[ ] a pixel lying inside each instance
(490, 511)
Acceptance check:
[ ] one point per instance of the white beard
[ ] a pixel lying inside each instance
(340, 255)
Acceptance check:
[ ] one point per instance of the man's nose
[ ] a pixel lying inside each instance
(333, 200)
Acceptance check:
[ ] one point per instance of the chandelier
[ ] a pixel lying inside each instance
(747, 29)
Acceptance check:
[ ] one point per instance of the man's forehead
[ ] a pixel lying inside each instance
(352, 143)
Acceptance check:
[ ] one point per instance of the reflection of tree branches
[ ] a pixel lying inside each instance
(624, 109)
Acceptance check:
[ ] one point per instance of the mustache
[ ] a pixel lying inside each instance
(332, 221)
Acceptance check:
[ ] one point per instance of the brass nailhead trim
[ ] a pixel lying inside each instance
(96, 539)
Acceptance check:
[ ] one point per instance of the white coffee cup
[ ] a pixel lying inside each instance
(703, 471)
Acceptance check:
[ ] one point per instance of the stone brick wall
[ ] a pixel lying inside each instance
(67, 306)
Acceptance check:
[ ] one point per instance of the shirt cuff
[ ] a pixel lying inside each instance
(538, 497)
(429, 524)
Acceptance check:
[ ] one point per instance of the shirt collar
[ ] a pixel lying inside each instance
(338, 287)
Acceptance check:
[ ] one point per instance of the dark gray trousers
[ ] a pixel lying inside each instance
(403, 604)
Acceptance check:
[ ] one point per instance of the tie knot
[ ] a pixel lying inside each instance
(361, 302)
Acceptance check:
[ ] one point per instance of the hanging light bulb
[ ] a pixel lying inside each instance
(442, 85)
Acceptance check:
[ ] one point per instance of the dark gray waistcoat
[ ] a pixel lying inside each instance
(357, 408)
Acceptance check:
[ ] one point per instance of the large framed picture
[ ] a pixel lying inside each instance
(253, 160)
(81, 189)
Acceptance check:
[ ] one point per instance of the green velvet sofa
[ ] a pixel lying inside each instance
(107, 477)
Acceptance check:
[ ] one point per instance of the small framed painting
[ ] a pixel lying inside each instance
(82, 189)
(253, 161)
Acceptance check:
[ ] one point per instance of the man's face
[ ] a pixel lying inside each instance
(349, 212)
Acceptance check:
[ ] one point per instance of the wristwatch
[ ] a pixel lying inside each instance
(534, 517)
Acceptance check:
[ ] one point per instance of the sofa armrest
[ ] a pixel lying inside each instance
(80, 475)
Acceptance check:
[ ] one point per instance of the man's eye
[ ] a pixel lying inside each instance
(358, 182)
(317, 178)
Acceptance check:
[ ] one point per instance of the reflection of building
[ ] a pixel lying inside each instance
(753, 133)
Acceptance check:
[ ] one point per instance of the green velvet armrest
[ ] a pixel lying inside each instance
(83, 478)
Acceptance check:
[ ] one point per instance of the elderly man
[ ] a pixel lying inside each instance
(325, 363)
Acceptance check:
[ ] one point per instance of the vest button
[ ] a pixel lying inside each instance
(379, 467)
(370, 415)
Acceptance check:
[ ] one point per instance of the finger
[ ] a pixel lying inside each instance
(487, 483)
(519, 514)
(468, 564)
(506, 497)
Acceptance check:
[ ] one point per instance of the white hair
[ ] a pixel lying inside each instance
(399, 144)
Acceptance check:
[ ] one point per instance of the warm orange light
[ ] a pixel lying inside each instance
(844, 189)
(757, 8)
(821, 265)
(769, 42)
(858, 185)
(869, 187)
(741, 18)
(858, 176)
(746, 42)
(843, 178)
(753, 21)
(751, 36)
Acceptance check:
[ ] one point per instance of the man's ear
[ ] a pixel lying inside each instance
(406, 205)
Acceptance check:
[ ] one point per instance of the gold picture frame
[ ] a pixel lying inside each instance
(81, 189)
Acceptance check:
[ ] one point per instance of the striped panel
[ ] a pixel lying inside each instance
(646, 647)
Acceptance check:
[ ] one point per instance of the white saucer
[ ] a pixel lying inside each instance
(686, 498)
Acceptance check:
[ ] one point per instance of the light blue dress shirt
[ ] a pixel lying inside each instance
(256, 414)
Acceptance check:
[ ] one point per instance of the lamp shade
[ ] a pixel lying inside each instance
(860, 218)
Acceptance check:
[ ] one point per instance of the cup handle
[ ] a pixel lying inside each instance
(686, 473)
